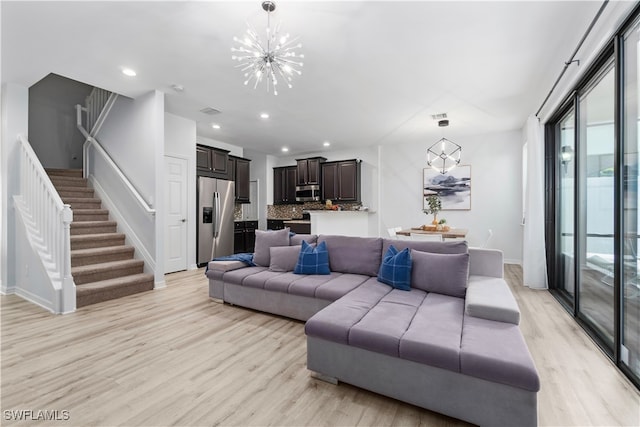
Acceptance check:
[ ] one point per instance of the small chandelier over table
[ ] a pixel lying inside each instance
(271, 60)
(444, 155)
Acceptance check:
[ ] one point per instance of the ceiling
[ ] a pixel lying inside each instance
(374, 72)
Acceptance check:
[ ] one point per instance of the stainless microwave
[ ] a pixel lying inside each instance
(308, 193)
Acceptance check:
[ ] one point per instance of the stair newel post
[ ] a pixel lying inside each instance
(68, 287)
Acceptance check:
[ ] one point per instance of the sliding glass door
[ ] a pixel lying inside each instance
(593, 168)
(596, 197)
(630, 307)
(565, 132)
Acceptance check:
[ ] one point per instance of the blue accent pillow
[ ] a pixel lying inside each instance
(395, 269)
(313, 260)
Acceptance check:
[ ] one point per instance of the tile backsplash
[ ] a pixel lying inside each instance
(295, 211)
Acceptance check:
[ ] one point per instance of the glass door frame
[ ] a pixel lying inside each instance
(611, 55)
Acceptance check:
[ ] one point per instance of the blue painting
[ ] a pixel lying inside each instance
(453, 187)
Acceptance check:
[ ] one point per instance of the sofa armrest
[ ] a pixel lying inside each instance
(226, 265)
(486, 262)
(490, 298)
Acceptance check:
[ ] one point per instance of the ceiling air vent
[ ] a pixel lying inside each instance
(209, 110)
(439, 116)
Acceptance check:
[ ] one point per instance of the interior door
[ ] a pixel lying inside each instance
(175, 239)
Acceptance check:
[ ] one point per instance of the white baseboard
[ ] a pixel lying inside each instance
(513, 261)
(193, 267)
(160, 285)
(35, 299)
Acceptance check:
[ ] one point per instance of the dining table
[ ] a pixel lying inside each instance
(452, 233)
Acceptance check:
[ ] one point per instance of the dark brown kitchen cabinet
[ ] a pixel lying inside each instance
(284, 185)
(239, 171)
(213, 162)
(309, 170)
(244, 236)
(275, 224)
(341, 181)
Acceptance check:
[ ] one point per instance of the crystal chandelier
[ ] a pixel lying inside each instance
(274, 59)
(444, 155)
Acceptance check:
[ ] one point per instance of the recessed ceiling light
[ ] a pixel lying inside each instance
(264, 115)
(128, 72)
(326, 143)
(215, 126)
(285, 149)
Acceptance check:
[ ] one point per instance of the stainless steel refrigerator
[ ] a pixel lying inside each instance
(216, 198)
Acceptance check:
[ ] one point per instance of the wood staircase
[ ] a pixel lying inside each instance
(102, 266)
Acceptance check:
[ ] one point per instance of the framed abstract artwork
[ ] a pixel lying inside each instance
(454, 187)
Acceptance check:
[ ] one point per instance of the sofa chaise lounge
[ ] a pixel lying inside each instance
(455, 351)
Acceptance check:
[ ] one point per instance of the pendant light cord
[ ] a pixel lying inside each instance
(575, 52)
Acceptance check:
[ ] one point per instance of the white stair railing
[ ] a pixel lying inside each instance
(92, 143)
(48, 222)
(95, 104)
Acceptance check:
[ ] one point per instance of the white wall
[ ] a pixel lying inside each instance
(496, 190)
(180, 141)
(128, 135)
(234, 150)
(133, 135)
(14, 114)
(52, 121)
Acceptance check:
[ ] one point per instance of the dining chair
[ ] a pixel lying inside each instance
(426, 237)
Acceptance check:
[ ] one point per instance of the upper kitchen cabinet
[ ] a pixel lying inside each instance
(284, 185)
(240, 173)
(213, 162)
(341, 181)
(309, 171)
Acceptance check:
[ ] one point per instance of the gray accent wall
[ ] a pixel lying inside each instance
(52, 121)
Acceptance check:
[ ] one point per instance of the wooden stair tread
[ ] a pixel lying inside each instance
(86, 224)
(91, 268)
(102, 250)
(97, 236)
(64, 172)
(90, 211)
(69, 200)
(114, 283)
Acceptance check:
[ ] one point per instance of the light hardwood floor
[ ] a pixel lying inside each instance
(175, 357)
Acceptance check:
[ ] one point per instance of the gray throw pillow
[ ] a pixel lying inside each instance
(445, 274)
(284, 258)
(265, 240)
(297, 239)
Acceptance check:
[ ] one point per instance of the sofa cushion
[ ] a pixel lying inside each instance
(496, 351)
(395, 269)
(490, 298)
(334, 321)
(283, 258)
(356, 255)
(265, 240)
(445, 274)
(434, 335)
(236, 277)
(296, 239)
(339, 286)
(307, 286)
(313, 260)
(383, 326)
(455, 247)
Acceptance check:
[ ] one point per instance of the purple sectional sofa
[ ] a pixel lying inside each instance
(457, 351)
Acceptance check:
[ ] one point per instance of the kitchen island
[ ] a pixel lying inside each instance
(345, 223)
